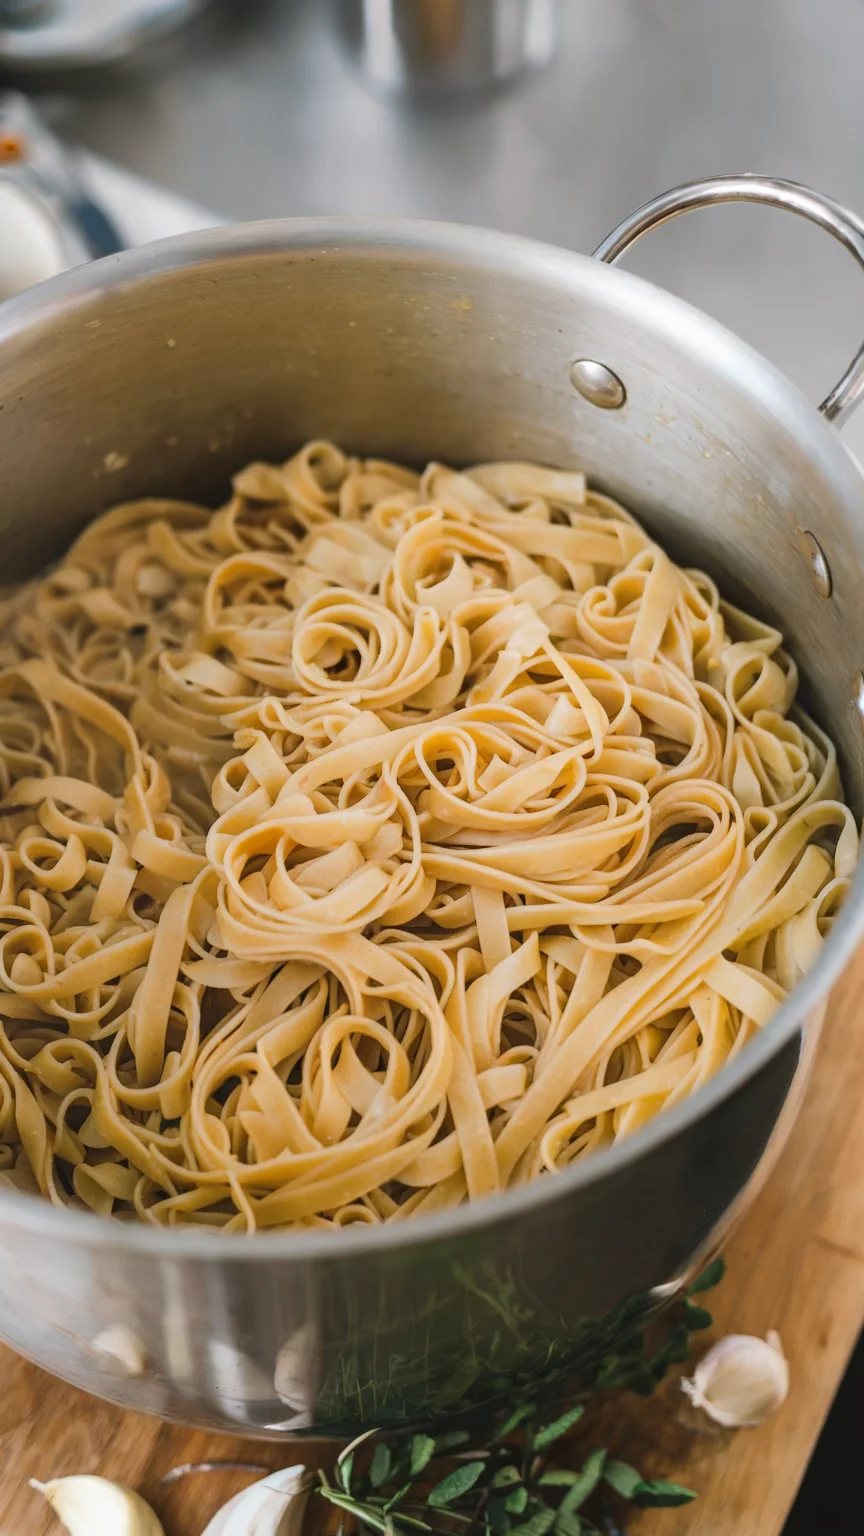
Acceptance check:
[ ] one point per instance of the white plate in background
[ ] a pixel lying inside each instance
(68, 33)
(142, 210)
(35, 246)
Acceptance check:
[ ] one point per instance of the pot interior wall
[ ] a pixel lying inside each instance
(143, 377)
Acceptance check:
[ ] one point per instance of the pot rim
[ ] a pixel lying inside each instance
(469, 248)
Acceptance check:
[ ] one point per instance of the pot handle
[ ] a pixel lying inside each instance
(751, 188)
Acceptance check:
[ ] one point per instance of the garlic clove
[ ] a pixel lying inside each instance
(272, 1507)
(93, 1506)
(293, 1375)
(122, 1349)
(741, 1380)
(238, 1381)
(32, 247)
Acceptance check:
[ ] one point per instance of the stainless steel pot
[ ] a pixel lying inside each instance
(164, 369)
(437, 47)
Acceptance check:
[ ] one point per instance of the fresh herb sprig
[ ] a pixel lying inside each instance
(509, 1484)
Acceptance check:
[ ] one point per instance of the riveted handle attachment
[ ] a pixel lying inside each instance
(750, 188)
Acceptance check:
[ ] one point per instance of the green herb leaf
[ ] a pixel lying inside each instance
(709, 1277)
(695, 1317)
(586, 1482)
(381, 1463)
(361, 1512)
(516, 1501)
(345, 1460)
(452, 1394)
(641, 1381)
(567, 1524)
(538, 1524)
(397, 1499)
(629, 1371)
(422, 1451)
(676, 1349)
(497, 1518)
(369, 1517)
(657, 1494)
(558, 1427)
(513, 1420)
(625, 1480)
(455, 1484)
(559, 1478)
(453, 1438)
(660, 1494)
(505, 1477)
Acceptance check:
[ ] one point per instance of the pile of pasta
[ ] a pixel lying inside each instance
(380, 841)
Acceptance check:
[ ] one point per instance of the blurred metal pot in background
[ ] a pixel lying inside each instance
(429, 46)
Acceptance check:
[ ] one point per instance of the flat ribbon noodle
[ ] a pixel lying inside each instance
(379, 841)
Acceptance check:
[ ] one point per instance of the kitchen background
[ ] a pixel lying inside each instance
(259, 108)
(256, 110)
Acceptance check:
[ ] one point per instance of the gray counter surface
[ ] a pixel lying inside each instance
(255, 112)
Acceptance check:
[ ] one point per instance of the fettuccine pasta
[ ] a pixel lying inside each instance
(381, 841)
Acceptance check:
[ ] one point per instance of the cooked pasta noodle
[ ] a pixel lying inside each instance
(380, 841)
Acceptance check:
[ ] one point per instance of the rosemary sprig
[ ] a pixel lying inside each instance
(508, 1484)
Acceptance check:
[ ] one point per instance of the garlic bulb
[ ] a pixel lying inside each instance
(93, 1506)
(741, 1380)
(272, 1507)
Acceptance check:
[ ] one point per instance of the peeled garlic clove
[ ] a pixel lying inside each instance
(93, 1506)
(121, 1348)
(741, 1380)
(293, 1374)
(272, 1507)
(32, 241)
(237, 1380)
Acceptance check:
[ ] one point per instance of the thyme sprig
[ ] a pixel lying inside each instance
(508, 1484)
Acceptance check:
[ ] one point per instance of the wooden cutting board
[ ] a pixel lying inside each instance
(796, 1263)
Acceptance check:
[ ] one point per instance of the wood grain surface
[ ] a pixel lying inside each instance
(795, 1263)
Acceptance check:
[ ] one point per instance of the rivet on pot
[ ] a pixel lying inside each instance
(858, 693)
(597, 384)
(812, 552)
